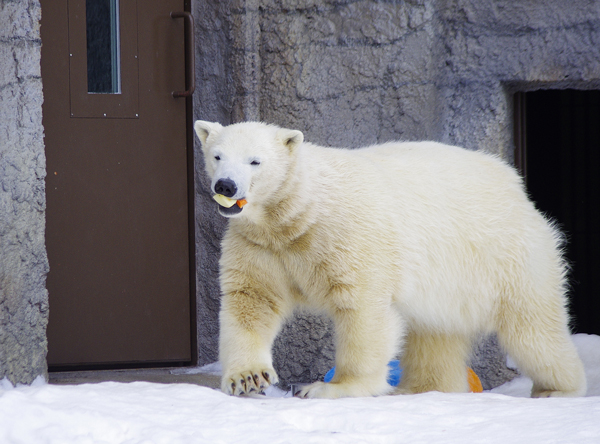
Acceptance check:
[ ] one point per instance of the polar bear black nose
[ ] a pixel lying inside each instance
(226, 187)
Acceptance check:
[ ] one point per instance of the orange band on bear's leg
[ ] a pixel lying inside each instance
(474, 382)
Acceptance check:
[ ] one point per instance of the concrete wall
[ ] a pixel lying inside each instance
(213, 100)
(356, 72)
(350, 73)
(23, 262)
(494, 48)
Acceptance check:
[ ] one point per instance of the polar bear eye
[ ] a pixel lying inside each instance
(217, 157)
(255, 162)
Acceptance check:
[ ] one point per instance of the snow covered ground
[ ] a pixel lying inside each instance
(142, 412)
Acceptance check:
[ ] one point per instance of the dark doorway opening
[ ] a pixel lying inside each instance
(558, 152)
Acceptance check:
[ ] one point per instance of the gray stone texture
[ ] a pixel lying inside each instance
(213, 100)
(356, 72)
(23, 261)
(489, 363)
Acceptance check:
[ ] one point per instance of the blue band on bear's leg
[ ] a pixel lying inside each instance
(394, 373)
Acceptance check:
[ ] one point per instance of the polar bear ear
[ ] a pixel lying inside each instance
(290, 138)
(204, 129)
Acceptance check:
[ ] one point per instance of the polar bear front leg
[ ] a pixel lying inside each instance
(256, 299)
(249, 324)
(366, 340)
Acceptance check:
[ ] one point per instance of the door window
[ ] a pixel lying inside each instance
(103, 59)
(103, 46)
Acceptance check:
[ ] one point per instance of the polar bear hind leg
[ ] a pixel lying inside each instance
(434, 362)
(537, 337)
(366, 340)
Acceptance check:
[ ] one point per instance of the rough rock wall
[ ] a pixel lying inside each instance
(494, 48)
(356, 72)
(227, 72)
(23, 261)
(306, 65)
(213, 101)
(350, 73)
(347, 73)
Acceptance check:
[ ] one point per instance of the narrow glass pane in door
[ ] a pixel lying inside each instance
(103, 46)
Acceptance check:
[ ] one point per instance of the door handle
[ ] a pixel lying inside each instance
(190, 46)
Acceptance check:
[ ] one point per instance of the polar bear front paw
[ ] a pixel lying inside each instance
(240, 383)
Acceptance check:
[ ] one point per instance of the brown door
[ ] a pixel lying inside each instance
(117, 182)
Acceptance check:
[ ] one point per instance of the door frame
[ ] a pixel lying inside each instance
(191, 189)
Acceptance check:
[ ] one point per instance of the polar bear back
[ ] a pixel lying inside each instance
(459, 221)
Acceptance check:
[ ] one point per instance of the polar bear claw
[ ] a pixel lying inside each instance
(249, 381)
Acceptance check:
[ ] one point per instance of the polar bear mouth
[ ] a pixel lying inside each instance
(231, 211)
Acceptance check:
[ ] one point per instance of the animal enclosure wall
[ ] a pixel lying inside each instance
(23, 261)
(349, 73)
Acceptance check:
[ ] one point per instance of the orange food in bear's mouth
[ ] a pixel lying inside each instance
(228, 202)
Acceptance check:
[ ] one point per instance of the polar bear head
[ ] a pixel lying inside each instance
(246, 161)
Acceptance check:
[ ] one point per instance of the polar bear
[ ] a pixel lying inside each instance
(413, 249)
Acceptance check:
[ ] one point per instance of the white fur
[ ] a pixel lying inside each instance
(411, 248)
